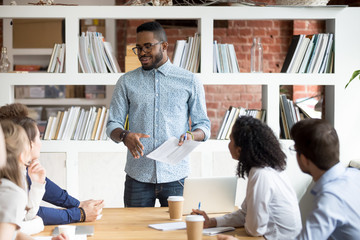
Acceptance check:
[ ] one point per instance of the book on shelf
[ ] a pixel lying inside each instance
(321, 53)
(328, 53)
(232, 114)
(300, 55)
(314, 53)
(216, 64)
(57, 59)
(226, 115)
(96, 123)
(96, 55)
(178, 52)
(295, 54)
(187, 53)
(291, 113)
(309, 54)
(225, 60)
(76, 123)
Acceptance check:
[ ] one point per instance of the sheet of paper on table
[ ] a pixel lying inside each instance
(171, 152)
(77, 237)
(168, 226)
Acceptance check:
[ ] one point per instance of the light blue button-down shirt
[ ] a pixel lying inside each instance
(337, 208)
(159, 103)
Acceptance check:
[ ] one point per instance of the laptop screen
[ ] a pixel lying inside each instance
(215, 194)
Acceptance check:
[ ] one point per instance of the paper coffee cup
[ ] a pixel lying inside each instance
(194, 227)
(69, 230)
(175, 207)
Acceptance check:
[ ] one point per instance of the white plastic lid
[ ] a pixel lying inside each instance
(175, 198)
(195, 218)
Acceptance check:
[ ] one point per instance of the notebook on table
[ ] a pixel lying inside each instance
(215, 194)
(79, 230)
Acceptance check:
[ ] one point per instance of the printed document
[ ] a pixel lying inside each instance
(171, 152)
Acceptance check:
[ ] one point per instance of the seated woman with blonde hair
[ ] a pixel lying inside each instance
(13, 197)
(72, 210)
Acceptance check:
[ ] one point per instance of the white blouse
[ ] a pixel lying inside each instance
(13, 200)
(270, 208)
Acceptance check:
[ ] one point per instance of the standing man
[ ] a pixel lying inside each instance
(336, 214)
(159, 99)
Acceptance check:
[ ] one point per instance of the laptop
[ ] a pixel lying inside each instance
(215, 194)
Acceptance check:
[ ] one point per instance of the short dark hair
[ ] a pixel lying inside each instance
(259, 146)
(318, 141)
(154, 27)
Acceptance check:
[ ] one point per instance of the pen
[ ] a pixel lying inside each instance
(185, 136)
(199, 206)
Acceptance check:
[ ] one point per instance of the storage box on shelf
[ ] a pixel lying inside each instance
(270, 82)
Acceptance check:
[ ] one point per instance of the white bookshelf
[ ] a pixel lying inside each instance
(339, 21)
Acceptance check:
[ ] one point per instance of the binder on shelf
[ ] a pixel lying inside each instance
(294, 42)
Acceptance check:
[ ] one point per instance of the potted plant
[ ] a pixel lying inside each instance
(355, 74)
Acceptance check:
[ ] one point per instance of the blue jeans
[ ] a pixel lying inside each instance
(139, 194)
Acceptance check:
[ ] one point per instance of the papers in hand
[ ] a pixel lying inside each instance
(168, 226)
(217, 230)
(171, 152)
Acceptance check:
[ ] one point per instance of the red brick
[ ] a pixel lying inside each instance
(260, 23)
(253, 88)
(212, 105)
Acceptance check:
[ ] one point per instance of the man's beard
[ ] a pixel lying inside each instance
(157, 60)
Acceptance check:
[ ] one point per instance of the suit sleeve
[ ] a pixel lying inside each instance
(58, 196)
(55, 216)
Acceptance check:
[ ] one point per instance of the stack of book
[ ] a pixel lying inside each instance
(78, 124)
(232, 114)
(187, 53)
(96, 55)
(225, 60)
(57, 59)
(310, 54)
(290, 114)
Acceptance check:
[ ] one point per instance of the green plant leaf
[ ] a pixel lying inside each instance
(355, 74)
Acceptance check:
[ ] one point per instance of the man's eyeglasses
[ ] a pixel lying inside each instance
(292, 149)
(146, 48)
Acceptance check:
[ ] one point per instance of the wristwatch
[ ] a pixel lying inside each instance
(123, 135)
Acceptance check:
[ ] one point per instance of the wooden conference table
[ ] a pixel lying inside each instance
(132, 224)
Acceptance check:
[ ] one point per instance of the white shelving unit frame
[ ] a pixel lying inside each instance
(336, 17)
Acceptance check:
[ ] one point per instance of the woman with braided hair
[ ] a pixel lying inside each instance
(270, 208)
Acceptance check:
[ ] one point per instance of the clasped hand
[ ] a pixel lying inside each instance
(37, 172)
(92, 208)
